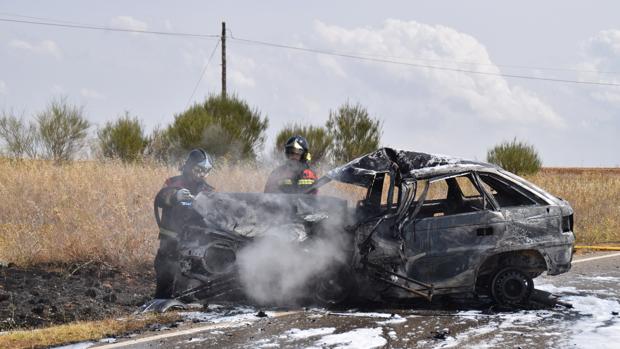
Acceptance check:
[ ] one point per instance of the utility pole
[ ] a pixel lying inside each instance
(223, 59)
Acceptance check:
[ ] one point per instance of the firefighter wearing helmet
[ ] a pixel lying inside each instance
(173, 199)
(295, 175)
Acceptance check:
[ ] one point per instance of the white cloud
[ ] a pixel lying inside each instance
(45, 47)
(241, 80)
(89, 93)
(3, 88)
(332, 65)
(602, 54)
(128, 22)
(483, 97)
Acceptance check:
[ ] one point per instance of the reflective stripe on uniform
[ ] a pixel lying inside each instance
(286, 182)
(305, 182)
(167, 233)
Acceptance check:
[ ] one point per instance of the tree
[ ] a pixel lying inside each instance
(62, 130)
(20, 139)
(223, 126)
(517, 157)
(159, 147)
(318, 139)
(353, 131)
(123, 139)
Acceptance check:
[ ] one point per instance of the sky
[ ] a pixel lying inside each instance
(456, 94)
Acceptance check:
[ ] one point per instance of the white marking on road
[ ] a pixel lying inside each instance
(186, 332)
(595, 258)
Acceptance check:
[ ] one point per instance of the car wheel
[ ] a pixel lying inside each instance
(511, 287)
(333, 290)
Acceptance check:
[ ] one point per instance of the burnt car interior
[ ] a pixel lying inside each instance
(381, 198)
(449, 196)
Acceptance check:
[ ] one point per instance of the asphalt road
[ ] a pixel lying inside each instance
(592, 286)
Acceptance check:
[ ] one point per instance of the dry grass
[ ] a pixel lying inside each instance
(594, 194)
(89, 211)
(92, 211)
(81, 331)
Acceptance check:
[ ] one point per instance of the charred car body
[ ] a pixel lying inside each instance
(427, 225)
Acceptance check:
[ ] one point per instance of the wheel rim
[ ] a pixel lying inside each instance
(511, 287)
(333, 290)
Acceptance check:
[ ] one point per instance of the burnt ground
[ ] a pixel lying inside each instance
(45, 295)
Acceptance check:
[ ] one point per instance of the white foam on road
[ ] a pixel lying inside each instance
(396, 319)
(365, 314)
(361, 338)
(590, 324)
(232, 315)
(196, 340)
(296, 333)
(601, 278)
(598, 327)
(82, 345)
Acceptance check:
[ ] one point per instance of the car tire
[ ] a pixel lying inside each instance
(334, 290)
(511, 287)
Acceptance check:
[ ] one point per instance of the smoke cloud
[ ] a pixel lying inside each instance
(279, 271)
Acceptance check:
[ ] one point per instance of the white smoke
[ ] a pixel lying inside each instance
(279, 271)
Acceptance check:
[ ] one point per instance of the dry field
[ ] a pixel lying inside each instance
(594, 194)
(102, 212)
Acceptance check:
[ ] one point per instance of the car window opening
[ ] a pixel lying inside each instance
(451, 196)
(506, 195)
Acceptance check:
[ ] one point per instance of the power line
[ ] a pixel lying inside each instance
(39, 18)
(380, 60)
(93, 27)
(376, 59)
(204, 70)
(76, 25)
(473, 63)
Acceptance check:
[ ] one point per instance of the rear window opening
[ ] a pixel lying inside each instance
(505, 194)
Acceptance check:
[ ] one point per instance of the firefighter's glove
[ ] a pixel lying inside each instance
(184, 195)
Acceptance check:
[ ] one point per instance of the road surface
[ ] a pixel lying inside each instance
(592, 286)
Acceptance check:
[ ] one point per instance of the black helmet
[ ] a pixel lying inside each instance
(198, 162)
(297, 145)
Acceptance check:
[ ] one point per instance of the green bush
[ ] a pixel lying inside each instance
(318, 139)
(19, 138)
(123, 139)
(353, 131)
(159, 147)
(517, 157)
(223, 126)
(62, 130)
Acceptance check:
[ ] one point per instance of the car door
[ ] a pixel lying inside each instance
(454, 224)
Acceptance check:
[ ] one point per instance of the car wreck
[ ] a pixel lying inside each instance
(425, 225)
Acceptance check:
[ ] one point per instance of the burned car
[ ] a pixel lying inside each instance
(426, 225)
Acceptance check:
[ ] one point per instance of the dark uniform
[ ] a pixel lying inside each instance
(291, 178)
(173, 215)
(294, 176)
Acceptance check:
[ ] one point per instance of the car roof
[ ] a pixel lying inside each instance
(409, 164)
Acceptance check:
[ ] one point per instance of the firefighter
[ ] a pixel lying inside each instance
(295, 175)
(174, 199)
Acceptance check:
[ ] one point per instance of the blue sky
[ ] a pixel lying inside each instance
(423, 109)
